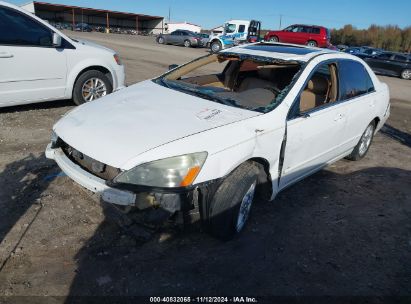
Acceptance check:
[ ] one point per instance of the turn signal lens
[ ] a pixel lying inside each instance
(117, 59)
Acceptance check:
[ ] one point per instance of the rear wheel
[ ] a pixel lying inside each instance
(91, 85)
(273, 39)
(231, 205)
(364, 144)
(160, 40)
(187, 43)
(311, 43)
(215, 46)
(406, 74)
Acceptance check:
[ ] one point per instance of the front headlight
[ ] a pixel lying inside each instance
(178, 171)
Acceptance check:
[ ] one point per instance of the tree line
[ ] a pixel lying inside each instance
(389, 37)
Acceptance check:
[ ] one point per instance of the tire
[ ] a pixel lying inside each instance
(94, 79)
(273, 39)
(231, 204)
(215, 46)
(406, 74)
(311, 43)
(364, 143)
(160, 40)
(187, 43)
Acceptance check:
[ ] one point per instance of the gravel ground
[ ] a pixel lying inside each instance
(344, 231)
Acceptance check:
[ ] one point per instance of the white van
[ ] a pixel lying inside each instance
(39, 63)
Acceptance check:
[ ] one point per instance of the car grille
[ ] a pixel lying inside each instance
(89, 164)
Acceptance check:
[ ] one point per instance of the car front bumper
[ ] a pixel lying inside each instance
(90, 181)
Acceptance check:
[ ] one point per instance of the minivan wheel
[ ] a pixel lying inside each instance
(273, 39)
(187, 43)
(406, 74)
(231, 205)
(311, 43)
(364, 144)
(91, 85)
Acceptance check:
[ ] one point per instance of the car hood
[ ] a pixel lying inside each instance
(92, 44)
(129, 122)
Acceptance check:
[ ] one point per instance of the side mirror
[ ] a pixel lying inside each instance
(56, 40)
(172, 66)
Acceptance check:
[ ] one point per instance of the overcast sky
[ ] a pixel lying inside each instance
(208, 14)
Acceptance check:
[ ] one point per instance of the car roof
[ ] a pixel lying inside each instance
(283, 51)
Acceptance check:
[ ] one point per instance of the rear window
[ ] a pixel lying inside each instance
(354, 79)
(315, 30)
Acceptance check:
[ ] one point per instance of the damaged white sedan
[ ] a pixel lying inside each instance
(204, 140)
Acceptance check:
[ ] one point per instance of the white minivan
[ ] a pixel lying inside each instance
(39, 63)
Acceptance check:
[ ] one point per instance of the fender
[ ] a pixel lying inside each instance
(79, 67)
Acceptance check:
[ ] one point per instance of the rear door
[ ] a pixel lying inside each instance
(31, 69)
(172, 38)
(358, 93)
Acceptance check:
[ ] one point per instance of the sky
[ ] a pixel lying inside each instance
(211, 13)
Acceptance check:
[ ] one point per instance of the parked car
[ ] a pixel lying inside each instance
(388, 63)
(311, 35)
(354, 50)
(205, 38)
(83, 27)
(270, 116)
(181, 37)
(40, 63)
(371, 51)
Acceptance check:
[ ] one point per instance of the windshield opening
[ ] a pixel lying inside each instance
(243, 81)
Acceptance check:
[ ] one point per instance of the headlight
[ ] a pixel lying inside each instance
(178, 171)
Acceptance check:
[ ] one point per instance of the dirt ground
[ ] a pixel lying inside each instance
(343, 231)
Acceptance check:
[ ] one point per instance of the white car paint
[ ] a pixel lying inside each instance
(33, 74)
(148, 122)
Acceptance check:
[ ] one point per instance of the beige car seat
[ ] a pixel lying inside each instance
(315, 93)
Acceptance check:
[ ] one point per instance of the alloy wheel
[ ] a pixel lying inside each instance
(93, 89)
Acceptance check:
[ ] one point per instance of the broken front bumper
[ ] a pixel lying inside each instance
(90, 181)
(190, 202)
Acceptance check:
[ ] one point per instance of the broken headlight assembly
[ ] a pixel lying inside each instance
(177, 171)
(53, 139)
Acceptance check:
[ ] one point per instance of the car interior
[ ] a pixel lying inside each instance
(251, 83)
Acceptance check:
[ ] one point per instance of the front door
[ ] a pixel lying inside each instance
(315, 128)
(31, 69)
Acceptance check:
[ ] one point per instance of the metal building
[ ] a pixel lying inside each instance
(72, 15)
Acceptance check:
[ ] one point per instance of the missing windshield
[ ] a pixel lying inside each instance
(245, 81)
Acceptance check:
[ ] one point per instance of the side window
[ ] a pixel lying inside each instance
(315, 30)
(354, 79)
(22, 30)
(384, 56)
(400, 58)
(320, 89)
(241, 28)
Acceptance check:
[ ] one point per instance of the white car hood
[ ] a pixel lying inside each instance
(92, 44)
(142, 117)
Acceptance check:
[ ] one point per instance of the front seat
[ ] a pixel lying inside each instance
(315, 93)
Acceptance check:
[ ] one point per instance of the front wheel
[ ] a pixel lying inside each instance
(406, 74)
(91, 85)
(160, 40)
(273, 39)
(364, 144)
(215, 46)
(231, 205)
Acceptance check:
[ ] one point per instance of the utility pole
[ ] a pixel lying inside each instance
(281, 17)
(169, 14)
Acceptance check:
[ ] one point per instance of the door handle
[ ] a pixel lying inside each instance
(6, 55)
